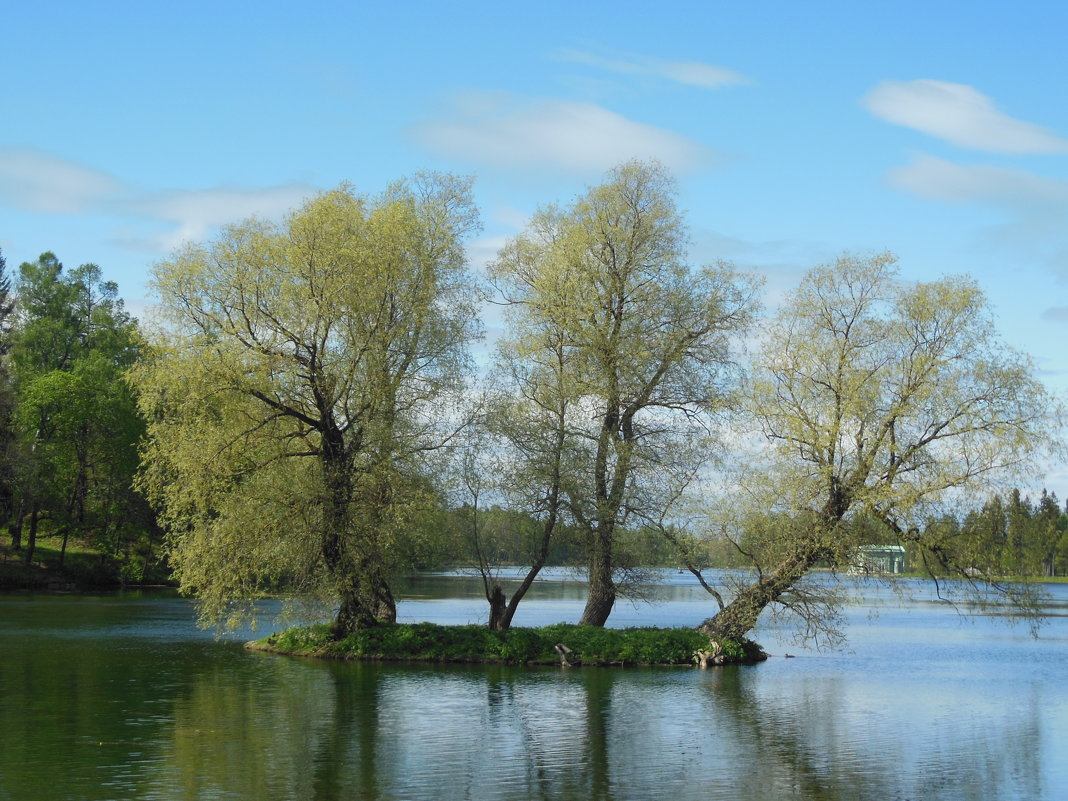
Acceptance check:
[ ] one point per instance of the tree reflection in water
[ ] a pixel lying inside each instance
(333, 731)
(815, 744)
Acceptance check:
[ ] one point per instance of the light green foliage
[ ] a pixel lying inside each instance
(303, 371)
(880, 398)
(620, 345)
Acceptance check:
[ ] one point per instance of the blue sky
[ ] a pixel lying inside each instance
(937, 130)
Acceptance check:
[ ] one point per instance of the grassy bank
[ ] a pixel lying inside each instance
(562, 643)
(82, 567)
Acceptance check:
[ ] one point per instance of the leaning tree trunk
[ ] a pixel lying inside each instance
(739, 617)
(547, 532)
(508, 612)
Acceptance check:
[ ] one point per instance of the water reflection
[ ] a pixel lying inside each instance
(821, 742)
(141, 706)
(335, 731)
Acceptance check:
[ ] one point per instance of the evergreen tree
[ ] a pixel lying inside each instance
(1048, 527)
(1018, 521)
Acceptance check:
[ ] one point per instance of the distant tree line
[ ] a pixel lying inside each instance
(1010, 535)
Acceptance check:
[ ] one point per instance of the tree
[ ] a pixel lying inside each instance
(1049, 524)
(1060, 555)
(521, 455)
(75, 419)
(7, 402)
(882, 398)
(605, 310)
(303, 375)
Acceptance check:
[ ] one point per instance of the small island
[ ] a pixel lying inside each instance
(564, 644)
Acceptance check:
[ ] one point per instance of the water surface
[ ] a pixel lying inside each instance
(121, 697)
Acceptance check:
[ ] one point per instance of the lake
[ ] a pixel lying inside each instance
(122, 697)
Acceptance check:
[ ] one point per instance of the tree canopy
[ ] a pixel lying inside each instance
(879, 398)
(306, 409)
(622, 347)
(74, 423)
(299, 380)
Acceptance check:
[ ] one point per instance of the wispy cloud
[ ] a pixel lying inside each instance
(34, 180)
(959, 114)
(505, 130)
(690, 73)
(1056, 314)
(37, 181)
(195, 213)
(1033, 207)
(937, 179)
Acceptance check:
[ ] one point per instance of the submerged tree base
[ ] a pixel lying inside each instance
(560, 644)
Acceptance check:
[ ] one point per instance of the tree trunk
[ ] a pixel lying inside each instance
(351, 558)
(543, 549)
(380, 596)
(513, 603)
(498, 608)
(602, 589)
(8, 506)
(63, 549)
(31, 543)
(365, 597)
(352, 614)
(739, 617)
(14, 528)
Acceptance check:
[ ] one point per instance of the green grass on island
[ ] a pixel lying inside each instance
(578, 645)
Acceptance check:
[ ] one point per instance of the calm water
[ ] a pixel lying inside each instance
(121, 697)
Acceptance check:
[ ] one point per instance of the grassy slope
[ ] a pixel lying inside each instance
(82, 567)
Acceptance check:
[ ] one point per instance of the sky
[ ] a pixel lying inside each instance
(797, 131)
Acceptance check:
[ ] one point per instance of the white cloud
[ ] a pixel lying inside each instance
(195, 213)
(482, 251)
(514, 132)
(690, 73)
(41, 182)
(36, 181)
(1032, 207)
(958, 114)
(938, 179)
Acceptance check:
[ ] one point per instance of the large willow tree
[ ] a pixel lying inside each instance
(302, 371)
(881, 401)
